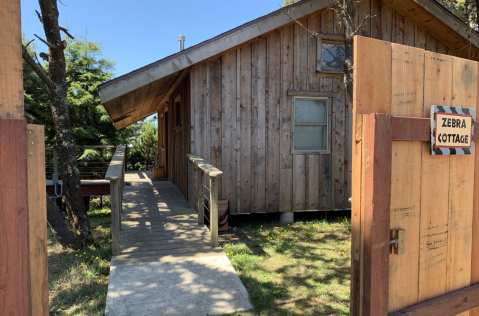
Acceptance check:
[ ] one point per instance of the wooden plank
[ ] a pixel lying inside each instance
(326, 185)
(11, 76)
(254, 127)
(245, 132)
(338, 142)
(261, 123)
(431, 42)
(286, 141)
(450, 304)
(386, 22)
(300, 83)
(14, 218)
(409, 33)
(406, 99)
(229, 128)
(475, 220)
(411, 128)
(398, 28)
(237, 145)
(368, 81)
(420, 40)
(273, 86)
(376, 217)
(327, 21)
(434, 199)
(461, 186)
(216, 117)
(363, 12)
(376, 7)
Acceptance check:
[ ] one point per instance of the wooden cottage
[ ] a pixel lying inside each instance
(265, 102)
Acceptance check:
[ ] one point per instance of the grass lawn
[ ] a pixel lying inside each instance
(296, 269)
(78, 278)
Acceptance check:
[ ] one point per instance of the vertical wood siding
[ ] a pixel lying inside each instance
(240, 118)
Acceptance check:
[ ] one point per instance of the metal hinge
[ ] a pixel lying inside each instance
(398, 241)
(30, 144)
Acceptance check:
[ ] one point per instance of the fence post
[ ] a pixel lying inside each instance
(115, 218)
(214, 211)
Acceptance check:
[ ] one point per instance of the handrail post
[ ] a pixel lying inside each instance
(190, 184)
(116, 175)
(201, 199)
(214, 211)
(115, 218)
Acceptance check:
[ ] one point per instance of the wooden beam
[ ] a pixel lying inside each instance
(447, 305)
(15, 296)
(417, 129)
(301, 93)
(11, 75)
(377, 138)
(37, 217)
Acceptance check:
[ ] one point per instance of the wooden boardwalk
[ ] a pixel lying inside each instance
(167, 265)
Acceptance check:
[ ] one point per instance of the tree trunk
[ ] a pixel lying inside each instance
(55, 80)
(65, 236)
(348, 16)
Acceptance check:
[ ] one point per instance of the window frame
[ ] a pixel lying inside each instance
(329, 102)
(319, 55)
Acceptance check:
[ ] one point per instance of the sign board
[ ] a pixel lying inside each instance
(452, 130)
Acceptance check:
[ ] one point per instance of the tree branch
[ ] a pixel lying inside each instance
(66, 32)
(312, 33)
(368, 17)
(39, 70)
(46, 43)
(28, 44)
(39, 16)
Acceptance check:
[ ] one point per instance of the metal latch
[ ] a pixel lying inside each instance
(398, 241)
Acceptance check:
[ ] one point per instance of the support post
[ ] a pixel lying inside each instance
(15, 274)
(375, 233)
(201, 198)
(214, 211)
(115, 217)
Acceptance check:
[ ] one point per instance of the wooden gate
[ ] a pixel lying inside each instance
(398, 184)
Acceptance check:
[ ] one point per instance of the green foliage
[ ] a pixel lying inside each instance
(139, 157)
(86, 70)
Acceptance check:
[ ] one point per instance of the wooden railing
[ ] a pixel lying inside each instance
(116, 175)
(203, 188)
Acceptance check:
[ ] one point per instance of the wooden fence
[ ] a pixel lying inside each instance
(398, 184)
(203, 192)
(116, 175)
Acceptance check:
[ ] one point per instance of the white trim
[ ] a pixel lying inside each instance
(326, 151)
(189, 57)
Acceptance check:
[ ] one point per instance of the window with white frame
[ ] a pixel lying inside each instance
(311, 125)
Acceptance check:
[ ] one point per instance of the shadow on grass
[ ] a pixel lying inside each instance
(78, 278)
(304, 278)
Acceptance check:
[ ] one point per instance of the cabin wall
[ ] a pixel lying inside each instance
(241, 119)
(174, 135)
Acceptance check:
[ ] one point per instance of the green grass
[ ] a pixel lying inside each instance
(78, 278)
(296, 269)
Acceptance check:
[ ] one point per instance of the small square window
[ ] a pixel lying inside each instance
(330, 57)
(311, 120)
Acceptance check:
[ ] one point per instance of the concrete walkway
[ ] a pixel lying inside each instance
(167, 266)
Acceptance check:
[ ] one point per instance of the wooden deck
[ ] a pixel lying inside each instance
(157, 222)
(167, 266)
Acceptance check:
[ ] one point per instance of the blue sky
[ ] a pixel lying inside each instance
(136, 33)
